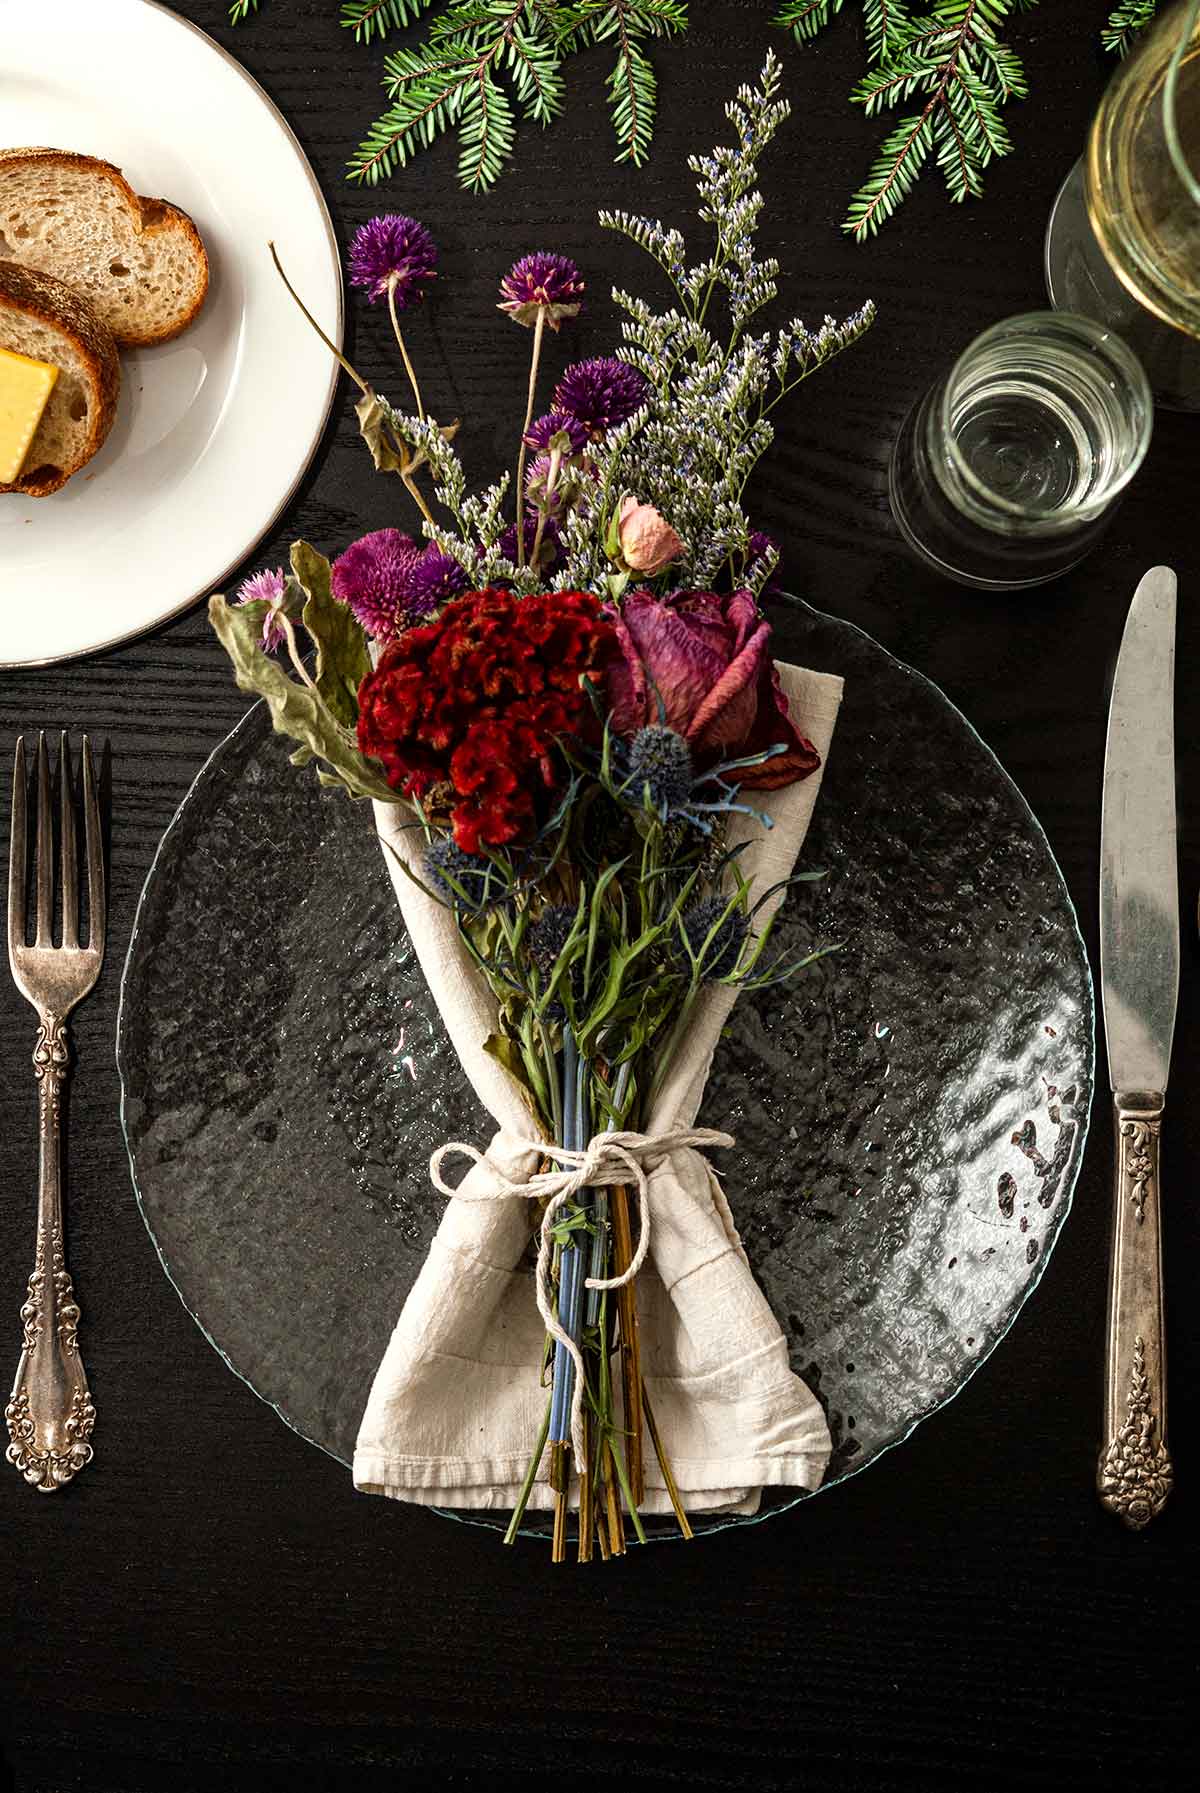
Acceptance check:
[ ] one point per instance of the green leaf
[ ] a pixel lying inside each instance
(343, 660)
(374, 426)
(1124, 23)
(508, 1053)
(296, 711)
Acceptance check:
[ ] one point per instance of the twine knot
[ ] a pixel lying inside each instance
(608, 1161)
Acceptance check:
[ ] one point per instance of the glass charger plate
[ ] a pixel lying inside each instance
(910, 1113)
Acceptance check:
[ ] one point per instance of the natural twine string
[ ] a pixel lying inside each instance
(609, 1161)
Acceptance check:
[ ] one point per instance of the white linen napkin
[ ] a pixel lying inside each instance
(456, 1404)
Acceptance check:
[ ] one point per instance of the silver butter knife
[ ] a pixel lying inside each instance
(1139, 962)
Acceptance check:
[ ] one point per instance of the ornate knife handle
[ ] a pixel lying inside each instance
(1134, 1474)
(50, 1413)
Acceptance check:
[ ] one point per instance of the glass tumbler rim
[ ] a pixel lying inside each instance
(1082, 331)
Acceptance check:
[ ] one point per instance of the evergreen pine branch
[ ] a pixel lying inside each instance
(369, 19)
(1124, 22)
(953, 60)
(805, 18)
(484, 60)
(884, 22)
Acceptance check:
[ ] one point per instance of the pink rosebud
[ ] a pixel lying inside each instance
(648, 543)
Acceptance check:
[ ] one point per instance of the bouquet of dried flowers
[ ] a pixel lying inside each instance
(571, 695)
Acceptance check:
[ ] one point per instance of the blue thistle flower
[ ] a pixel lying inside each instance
(545, 943)
(725, 948)
(480, 886)
(547, 938)
(661, 761)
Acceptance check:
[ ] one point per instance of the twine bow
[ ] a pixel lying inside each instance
(609, 1161)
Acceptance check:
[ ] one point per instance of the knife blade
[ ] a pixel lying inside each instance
(1139, 879)
(1139, 965)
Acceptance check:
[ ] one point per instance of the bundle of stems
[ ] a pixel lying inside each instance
(595, 1243)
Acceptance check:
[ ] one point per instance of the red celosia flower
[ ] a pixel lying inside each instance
(477, 700)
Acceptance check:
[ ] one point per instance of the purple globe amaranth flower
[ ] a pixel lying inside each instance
(373, 576)
(557, 429)
(542, 284)
(550, 552)
(393, 252)
(266, 587)
(601, 393)
(435, 578)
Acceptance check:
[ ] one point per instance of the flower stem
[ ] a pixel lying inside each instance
(664, 1463)
(586, 1506)
(538, 329)
(332, 347)
(414, 492)
(294, 651)
(544, 508)
(631, 1355)
(408, 366)
(514, 1523)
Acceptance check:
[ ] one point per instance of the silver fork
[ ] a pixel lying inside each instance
(50, 1413)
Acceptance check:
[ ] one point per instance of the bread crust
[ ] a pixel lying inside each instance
(150, 217)
(31, 293)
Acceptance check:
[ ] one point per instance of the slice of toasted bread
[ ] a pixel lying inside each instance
(140, 261)
(45, 319)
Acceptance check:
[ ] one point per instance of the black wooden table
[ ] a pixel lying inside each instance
(211, 1605)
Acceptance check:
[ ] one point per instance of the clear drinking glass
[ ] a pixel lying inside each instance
(1006, 472)
(1123, 243)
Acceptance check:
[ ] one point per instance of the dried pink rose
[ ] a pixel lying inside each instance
(648, 543)
(701, 663)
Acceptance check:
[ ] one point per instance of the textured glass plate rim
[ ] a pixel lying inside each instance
(732, 1522)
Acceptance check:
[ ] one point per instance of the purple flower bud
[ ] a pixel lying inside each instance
(545, 284)
(601, 393)
(268, 586)
(393, 252)
(557, 429)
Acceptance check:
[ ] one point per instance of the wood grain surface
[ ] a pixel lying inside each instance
(211, 1606)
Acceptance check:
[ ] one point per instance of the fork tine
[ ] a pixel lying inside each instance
(44, 869)
(97, 912)
(16, 855)
(70, 864)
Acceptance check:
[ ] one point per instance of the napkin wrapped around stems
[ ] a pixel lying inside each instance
(457, 1401)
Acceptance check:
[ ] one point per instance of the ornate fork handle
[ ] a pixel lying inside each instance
(1134, 1474)
(50, 1413)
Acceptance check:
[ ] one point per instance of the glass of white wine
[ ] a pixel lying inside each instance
(1123, 244)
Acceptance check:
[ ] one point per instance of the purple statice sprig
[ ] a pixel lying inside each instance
(542, 288)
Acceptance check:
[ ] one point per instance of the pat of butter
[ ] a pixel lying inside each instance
(25, 386)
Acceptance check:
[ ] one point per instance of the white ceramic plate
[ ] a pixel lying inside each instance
(215, 429)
